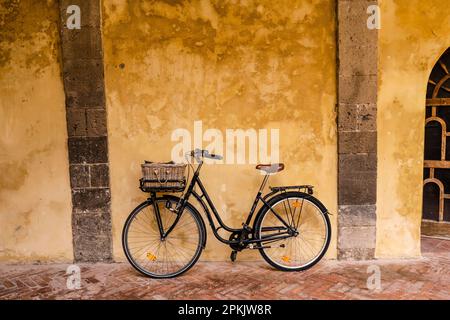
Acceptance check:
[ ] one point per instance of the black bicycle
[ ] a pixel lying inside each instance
(165, 235)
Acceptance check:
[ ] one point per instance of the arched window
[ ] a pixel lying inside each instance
(436, 185)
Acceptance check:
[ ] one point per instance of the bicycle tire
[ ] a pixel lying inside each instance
(189, 209)
(278, 199)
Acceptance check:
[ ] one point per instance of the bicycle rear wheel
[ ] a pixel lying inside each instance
(308, 231)
(163, 258)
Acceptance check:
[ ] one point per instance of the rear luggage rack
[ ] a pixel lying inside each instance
(306, 187)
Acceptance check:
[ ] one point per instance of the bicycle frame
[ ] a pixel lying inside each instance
(208, 206)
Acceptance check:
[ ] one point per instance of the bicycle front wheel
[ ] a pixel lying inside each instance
(168, 257)
(303, 221)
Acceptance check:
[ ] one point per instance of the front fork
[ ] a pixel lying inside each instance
(180, 207)
(157, 215)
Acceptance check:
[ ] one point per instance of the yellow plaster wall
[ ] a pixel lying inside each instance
(231, 64)
(35, 204)
(413, 35)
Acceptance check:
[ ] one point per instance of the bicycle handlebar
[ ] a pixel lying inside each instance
(204, 154)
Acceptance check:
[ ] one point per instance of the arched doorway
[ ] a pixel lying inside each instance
(436, 184)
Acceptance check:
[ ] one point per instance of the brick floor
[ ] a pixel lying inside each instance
(426, 278)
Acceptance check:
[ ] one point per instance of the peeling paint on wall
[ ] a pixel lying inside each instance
(413, 36)
(35, 207)
(231, 64)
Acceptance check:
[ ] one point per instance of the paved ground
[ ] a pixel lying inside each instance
(426, 278)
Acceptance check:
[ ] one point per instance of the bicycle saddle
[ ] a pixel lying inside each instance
(271, 168)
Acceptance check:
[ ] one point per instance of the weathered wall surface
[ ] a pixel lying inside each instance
(232, 65)
(357, 131)
(413, 35)
(35, 207)
(82, 65)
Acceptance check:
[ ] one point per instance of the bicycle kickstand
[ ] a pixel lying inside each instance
(233, 255)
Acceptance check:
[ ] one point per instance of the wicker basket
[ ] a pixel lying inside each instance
(158, 177)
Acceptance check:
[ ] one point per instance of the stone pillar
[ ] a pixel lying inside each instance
(82, 64)
(357, 130)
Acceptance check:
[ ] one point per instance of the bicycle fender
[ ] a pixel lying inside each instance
(276, 196)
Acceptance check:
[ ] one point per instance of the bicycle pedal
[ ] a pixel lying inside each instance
(233, 256)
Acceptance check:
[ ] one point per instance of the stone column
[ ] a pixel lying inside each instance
(82, 64)
(357, 130)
